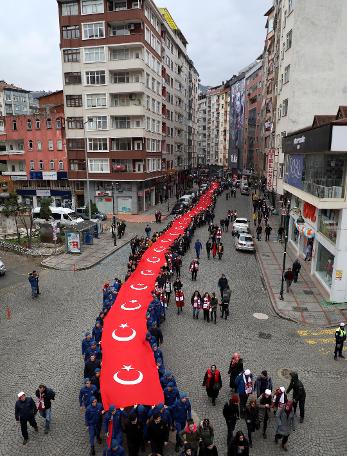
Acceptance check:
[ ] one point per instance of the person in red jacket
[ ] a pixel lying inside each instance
(288, 277)
(212, 382)
(179, 296)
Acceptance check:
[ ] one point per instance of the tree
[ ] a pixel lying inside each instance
(22, 214)
(93, 208)
(45, 211)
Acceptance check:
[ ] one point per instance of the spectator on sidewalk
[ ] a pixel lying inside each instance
(268, 230)
(25, 411)
(280, 234)
(296, 270)
(259, 230)
(288, 277)
(308, 251)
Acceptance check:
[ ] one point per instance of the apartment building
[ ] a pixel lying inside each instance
(252, 157)
(33, 153)
(193, 98)
(16, 101)
(202, 128)
(311, 66)
(125, 87)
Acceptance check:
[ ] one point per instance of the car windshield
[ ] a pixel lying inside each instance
(240, 221)
(73, 216)
(246, 238)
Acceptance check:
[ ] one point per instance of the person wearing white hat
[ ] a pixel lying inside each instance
(264, 402)
(244, 387)
(25, 411)
(340, 337)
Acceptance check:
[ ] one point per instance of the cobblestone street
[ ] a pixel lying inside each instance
(41, 343)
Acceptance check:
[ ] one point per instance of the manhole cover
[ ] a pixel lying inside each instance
(308, 292)
(263, 335)
(300, 309)
(284, 373)
(260, 316)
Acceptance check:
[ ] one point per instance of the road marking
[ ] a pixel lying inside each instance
(319, 341)
(320, 332)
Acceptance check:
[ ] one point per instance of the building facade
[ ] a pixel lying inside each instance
(202, 129)
(315, 179)
(125, 77)
(16, 101)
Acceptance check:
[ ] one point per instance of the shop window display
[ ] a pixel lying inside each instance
(328, 223)
(325, 264)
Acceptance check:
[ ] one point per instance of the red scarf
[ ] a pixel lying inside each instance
(210, 375)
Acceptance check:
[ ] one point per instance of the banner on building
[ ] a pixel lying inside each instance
(270, 169)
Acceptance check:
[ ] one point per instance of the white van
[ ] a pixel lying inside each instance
(63, 215)
(186, 200)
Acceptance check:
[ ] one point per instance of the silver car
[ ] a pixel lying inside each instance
(244, 241)
(240, 225)
(2, 268)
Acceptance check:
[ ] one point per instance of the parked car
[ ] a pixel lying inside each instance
(244, 241)
(99, 216)
(240, 225)
(244, 190)
(178, 208)
(66, 217)
(2, 268)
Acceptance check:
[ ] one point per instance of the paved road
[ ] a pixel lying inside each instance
(18, 267)
(41, 343)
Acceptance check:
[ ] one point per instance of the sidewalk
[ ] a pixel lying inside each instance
(148, 216)
(306, 302)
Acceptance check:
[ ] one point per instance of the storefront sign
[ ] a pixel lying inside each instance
(314, 140)
(43, 193)
(339, 274)
(49, 175)
(19, 178)
(73, 243)
(270, 169)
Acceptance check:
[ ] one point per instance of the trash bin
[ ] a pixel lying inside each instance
(88, 237)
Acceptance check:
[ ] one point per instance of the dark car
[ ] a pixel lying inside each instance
(99, 216)
(178, 208)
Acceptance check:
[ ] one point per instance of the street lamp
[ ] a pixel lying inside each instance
(299, 220)
(114, 220)
(87, 170)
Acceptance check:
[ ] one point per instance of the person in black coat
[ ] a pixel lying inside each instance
(45, 396)
(239, 445)
(296, 269)
(299, 394)
(231, 413)
(134, 434)
(210, 450)
(91, 365)
(25, 411)
(158, 434)
(235, 368)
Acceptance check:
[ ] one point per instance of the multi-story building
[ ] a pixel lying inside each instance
(307, 84)
(33, 153)
(315, 182)
(236, 121)
(252, 158)
(125, 101)
(193, 99)
(202, 128)
(16, 101)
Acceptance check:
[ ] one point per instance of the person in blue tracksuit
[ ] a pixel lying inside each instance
(86, 393)
(113, 415)
(86, 342)
(150, 339)
(198, 248)
(163, 412)
(115, 450)
(142, 417)
(181, 412)
(93, 419)
(97, 332)
(167, 378)
(94, 348)
(158, 354)
(171, 393)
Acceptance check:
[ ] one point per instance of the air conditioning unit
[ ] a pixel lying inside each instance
(131, 26)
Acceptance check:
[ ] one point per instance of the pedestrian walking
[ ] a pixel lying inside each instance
(177, 285)
(34, 283)
(198, 248)
(308, 251)
(213, 308)
(181, 412)
(25, 411)
(133, 430)
(244, 387)
(239, 445)
(279, 398)
(259, 230)
(194, 268)
(208, 247)
(231, 413)
(288, 277)
(179, 298)
(268, 230)
(254, 217)
(252, 418)
(45, 397)
(262, 383)
(196, 304)
(148, 231)
(226, 294)
(168, 290)
(299, 394)
(177, 264)
(206, 302)
(226, 224)
(206, 433)
(340, 337)
(220, 250)
(212, 382)
(158, 434)
(280, 233)
(296, 270)
(264, 402)
(86, 393)
(115, 450)
(235, 369)
(190, 438)
(214, 249)
(210, 450)
(93, 420)
(222, 284)
(285, 424)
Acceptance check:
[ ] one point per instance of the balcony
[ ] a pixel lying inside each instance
(128, 87)
(127, 64)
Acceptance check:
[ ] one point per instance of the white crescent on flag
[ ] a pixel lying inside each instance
(162, 249)
(153, 260)
(147, 272)
(124, 339)
(139, 287)
(128, 382)
(124, 306)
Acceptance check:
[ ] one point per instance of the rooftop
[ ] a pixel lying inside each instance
(5, 85)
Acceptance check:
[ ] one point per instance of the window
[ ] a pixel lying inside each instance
(97, 144)
(50, 144)
(37, 124)
(30, 144)
(119, 54)
(29, 124)
(41, 165)
(71, 55)
(97, 123)
(77, 165)
(32, 165)
(51, 165)
(286, 74)
(95, 77)
(99, 165)
(289, 39)
(121, 144)
(72, 78)
(39, 145)
(285, 107)
(93, 30)
(96, 100)
(75, 123)
(121, 122)
(117, 5)
(120, 30)
(120, 78)
(14, 125)
(290, 6)
(74, 100)
(59, 144)
(69, 9)
(136, 4)
(94, 54)
(71, 32)
(49, 123)
(61, 165)
(92, 6)
(76, 144)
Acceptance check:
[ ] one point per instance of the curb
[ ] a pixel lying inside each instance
(85, 268)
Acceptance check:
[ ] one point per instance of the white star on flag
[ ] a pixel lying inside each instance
(127, 368)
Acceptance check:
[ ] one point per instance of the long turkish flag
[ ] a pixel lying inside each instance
(129, 374)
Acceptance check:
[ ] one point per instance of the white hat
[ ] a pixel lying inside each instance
(268, 392)
(282, 389)
(21, 394)
(247, 372)
(342, 324)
